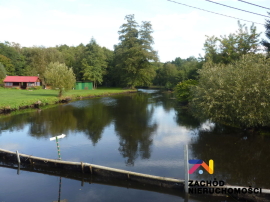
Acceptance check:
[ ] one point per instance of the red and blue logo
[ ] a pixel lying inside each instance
(197, 163)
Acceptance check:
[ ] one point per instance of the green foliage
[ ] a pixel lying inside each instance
(227, 49)
(166, 75)
(183, 90)
(6, 62)
(2, 72)
(12, 51)
(236, 93)
(94, 65)
(73, 57)
(59, 76)
(38, 58)
(134, 53)
(170, 73)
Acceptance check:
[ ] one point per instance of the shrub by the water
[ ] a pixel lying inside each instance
(237, 93)
(60, 77)
(182, 90)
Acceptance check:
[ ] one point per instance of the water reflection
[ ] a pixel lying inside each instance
(130, 114)
(164, 99)
(141, 126)
(184, 118)
(240, 158)
(92, 119)
(134, 126)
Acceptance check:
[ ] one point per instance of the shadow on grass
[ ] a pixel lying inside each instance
(44, 95)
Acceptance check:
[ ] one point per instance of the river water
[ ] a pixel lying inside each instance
(143, 132)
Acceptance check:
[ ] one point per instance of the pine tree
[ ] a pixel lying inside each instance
(134, 53)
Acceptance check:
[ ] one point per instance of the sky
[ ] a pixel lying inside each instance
(179, 31)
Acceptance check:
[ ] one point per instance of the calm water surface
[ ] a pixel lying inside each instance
(143, 132)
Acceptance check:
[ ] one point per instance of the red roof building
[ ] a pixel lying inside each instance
(22, 82)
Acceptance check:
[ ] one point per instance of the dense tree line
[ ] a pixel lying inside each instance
(133, 62)
(178, 70)
(33, 61)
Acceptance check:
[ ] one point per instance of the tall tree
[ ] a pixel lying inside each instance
(108, 78)
(94, 65)
(134, 53)
(266, 43)
(148, 55)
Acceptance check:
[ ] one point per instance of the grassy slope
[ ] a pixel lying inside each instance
(15, 98)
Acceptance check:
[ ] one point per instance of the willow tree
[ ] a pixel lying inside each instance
(134, 53)
(237, 93)
(59, 76)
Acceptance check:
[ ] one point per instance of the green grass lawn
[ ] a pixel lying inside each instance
(15, 98)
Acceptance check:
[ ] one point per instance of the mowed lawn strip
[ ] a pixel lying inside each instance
(14, 98)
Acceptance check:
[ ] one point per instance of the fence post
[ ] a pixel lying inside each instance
(18, 157)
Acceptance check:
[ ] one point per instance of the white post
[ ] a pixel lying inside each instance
(186, 167)
(18, 157)
(19, 162)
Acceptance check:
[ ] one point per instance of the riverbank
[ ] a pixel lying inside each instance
(14, 99)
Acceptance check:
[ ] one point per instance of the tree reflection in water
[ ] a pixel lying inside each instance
(240, 158)
(130, 114)
(133, 126)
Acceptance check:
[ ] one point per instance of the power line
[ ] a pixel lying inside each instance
(237, 8)
(214, 12)
(254, 4)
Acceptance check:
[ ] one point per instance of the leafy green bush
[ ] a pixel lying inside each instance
(60, 77)
(182, 90)
(237, 93)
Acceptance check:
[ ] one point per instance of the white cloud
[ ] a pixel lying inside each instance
(172, 136)
(208, 125)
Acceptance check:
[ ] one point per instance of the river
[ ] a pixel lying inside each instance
(143, 132)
